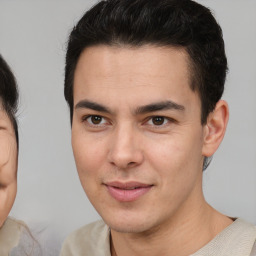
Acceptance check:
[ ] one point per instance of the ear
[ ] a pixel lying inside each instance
(214, 129)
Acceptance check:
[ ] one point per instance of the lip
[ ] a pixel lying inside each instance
(127, 191)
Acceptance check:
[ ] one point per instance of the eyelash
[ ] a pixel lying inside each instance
(90, 123)
(166, 121)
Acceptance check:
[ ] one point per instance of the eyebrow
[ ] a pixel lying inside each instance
(92, 105)
(158, 106)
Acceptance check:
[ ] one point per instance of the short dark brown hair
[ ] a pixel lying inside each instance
(175, 23)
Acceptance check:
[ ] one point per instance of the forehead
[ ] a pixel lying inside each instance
(105, 60)
(148, 71)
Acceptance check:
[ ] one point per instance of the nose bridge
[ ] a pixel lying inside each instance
(125, 150)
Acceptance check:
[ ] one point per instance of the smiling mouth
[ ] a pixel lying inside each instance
(127, 192)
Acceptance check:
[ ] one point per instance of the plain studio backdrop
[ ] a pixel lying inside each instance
(50, 199)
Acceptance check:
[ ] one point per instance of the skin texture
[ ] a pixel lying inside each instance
(8, 166)
(123, 141)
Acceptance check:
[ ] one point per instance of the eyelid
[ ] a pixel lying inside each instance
(106, 122)
(86, 117)
(168, 119)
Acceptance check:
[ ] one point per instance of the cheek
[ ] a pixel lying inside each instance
(89, 153)
(8, 170)
(8, 159)
(6, 148)
(177, 158)
(90, 157)
(177, 171)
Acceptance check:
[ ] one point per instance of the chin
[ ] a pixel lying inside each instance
(126, 228)
(124, 224)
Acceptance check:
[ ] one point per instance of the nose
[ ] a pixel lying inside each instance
(125, 149)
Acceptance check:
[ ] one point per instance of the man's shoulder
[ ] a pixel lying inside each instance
(236, 240)
(91, 239)
(244, 231)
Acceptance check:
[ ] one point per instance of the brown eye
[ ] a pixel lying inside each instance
(158, 120)
(96, 119)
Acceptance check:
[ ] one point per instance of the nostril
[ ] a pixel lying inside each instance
(123, 163)
(131, 164)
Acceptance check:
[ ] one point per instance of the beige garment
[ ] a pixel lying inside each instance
(93, 240)
(16, 240)
(10, 234)
(235, 240)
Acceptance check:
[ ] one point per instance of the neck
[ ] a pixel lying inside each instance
(182, 235)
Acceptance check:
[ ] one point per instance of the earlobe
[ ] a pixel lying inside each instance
(215, 128)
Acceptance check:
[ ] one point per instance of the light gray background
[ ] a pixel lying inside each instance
(32, 39)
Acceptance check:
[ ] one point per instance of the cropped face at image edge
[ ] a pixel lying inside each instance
(137, 136)
(8, 165)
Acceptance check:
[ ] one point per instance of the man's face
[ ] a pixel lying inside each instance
(137, 136)
(8, 166)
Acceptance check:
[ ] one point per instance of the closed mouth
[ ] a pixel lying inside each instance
(127, 191)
